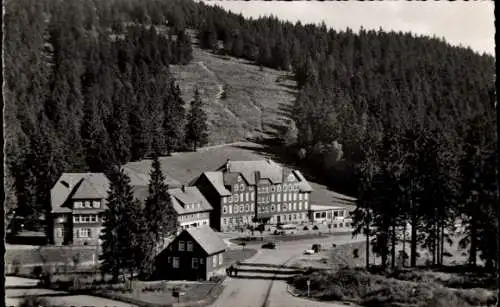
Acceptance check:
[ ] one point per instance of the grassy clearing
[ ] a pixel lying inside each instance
(362, 287)
(254, 100)
(48, 254)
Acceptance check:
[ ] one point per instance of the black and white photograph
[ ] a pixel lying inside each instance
(188, 153)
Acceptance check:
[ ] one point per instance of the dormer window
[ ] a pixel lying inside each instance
(78, 204)
(236, 187)
(96, 203)
(242, 187)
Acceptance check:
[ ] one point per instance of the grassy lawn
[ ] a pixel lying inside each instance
(161, 293)
(341, 276)
(254, 99)
(48, 254)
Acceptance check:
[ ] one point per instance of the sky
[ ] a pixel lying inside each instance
(470, 24)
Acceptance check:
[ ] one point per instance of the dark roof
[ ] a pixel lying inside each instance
(207, 238)
(268, 169)
(77, 186)
(189, 200)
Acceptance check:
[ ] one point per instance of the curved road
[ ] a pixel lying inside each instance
(243, 292)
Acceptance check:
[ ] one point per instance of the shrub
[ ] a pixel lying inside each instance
(315, 227)
(37, 271)
(306, 228)
(34, 301)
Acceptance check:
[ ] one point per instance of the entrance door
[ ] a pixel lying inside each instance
(278, 219)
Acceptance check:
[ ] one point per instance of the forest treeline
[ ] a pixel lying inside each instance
(405, 123)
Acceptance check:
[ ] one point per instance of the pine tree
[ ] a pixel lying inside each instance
(196, 127)
(160, 215)
(174, 119)
(122, 220)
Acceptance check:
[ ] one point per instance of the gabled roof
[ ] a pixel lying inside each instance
(217, 181)
(77, 186)
(268, 170)
(179, 198)
(207, 238)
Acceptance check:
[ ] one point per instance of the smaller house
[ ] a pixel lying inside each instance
(195, 254)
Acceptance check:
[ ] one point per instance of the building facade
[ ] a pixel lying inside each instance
(195, 254)
(338, 217)
(78, 202)
(247, 192)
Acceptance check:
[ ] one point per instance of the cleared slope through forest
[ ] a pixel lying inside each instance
(255, 100)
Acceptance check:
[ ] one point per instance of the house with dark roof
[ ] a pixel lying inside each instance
(78, 201)
(192, 208)
(244, 192)
(195, 254)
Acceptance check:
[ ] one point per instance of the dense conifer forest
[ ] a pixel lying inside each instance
(405, 123)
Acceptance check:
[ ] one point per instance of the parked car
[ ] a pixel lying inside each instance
(309, 252)
(269, 245)
(316, 248)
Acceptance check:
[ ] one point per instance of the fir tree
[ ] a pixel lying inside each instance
(196, 127)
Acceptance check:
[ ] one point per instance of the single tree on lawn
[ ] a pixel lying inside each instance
(159, 213)
(196, 127)
(119, 237)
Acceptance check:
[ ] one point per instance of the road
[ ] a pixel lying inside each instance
(16, 288)
(259, 292)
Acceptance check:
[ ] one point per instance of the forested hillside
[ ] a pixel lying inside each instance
(404, 123)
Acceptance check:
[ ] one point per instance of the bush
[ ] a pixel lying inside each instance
(315, 227)
(306, 228)
(37, 271)
(34, 301)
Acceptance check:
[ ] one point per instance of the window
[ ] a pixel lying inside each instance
(230, 199)
(230, 220)
(272, 198)
(224, 200)
(283, 207)
(84, 233)
(323, 214)
(300, 205)
(59, 232)
(251, 207)
(252, 196)
(241, 197)
(176, 262)
(93, 218)
(272, 208)
(76, 218)
(335, 225)
(318, 215)
(78, 204)
(250, 188)
(224, 209)
(201, 260)
(236, 188)
(214, 261)
(306, 196)
(278, 197)
(278, 188)
(289, 196)
(236, 209)
(169, 259)
(341, 213)
(242, 208)
(96, 204)
(242, 187)
(247, 207)
(294, 196)
(181, 246)
(285, 188)
(301, 196)
(329, 215)
(284, 197)
(235, 198)
(294, 206)
(335, 213)
(290, 206)
(294, 216)
(224, 221)
(341, 225)
(220, 259)
(87, 204)
(289, 217)
(230, 209)
(194, 262)
(247, 196)
(278, 207)
(190, 246)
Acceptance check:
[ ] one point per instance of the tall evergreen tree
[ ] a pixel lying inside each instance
(196, 127)
(174, 119)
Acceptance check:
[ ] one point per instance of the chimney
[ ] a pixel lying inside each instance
(183, 188)
(257, 177)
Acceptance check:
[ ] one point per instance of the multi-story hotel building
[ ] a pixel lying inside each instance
(246, 192)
